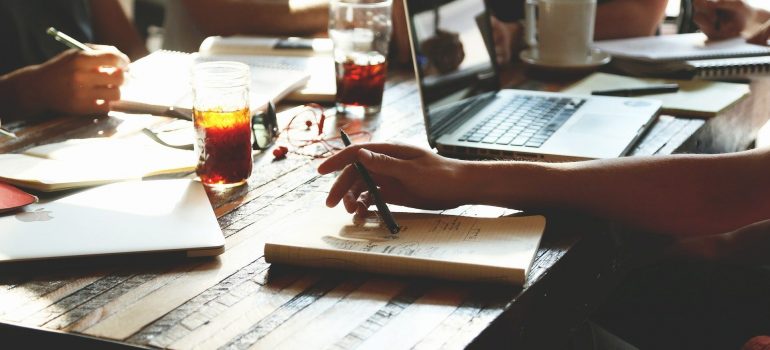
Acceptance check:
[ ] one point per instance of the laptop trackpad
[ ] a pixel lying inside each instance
(599, 125)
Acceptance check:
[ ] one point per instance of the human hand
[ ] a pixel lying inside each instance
(406, 175)
(78, 82)
(721, 19)
(761, 35)
(507, 38)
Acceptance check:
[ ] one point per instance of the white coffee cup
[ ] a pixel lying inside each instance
(560, 31)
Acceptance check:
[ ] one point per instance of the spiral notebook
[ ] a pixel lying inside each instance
(687, 56)
(679, 47)
(730, 67)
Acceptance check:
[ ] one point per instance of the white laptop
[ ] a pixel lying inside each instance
(467, 115)
(127, 217)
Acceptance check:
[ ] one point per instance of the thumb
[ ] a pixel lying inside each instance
(761, 36)
(381, 164)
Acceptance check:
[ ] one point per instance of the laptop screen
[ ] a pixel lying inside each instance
(453, 51)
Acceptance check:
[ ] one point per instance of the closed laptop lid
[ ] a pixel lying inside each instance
(127, 217)
(453, 55)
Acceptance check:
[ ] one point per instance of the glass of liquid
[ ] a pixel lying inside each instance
(360, 31)
(222, 123)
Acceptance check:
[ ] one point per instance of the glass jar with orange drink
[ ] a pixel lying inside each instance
(222, 122)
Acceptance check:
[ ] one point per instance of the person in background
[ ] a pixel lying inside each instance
(723, 19)
(39, 75)
(188, 22)
(614, 19)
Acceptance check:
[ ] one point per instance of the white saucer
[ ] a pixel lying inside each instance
(597, 59)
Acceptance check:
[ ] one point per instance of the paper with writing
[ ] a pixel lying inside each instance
(442, 246)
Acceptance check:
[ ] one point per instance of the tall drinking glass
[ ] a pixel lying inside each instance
(360, 30)
(222, 123)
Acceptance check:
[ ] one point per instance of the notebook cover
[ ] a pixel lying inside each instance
(13, 198)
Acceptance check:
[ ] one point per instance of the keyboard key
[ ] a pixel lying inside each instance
(519, 140)
(504, 140)
(490, 139)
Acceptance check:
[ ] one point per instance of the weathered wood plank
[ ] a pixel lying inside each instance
(399, 330)
(333, 324)
(257, 312)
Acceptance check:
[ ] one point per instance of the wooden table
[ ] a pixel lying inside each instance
(239, 301)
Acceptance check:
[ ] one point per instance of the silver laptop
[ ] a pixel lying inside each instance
(468, 115)
(127, 217)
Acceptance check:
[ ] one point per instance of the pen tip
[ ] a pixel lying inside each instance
(51, 30)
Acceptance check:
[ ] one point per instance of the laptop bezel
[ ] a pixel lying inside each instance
(420, 77)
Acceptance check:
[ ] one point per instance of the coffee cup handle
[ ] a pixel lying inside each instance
(530, 13)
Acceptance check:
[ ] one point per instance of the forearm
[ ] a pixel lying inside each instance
(259, 17)
(628, 18)
(15, 99)
(112, 27)
(678, 195)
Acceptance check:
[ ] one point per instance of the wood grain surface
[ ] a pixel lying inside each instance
(238, 301)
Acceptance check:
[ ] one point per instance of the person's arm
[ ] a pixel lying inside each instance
(681, 195)
(628, 18)
(112, 26)
(229, 17)
(722, 19)
(74, 83)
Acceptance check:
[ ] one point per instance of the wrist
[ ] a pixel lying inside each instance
(12, 95)
(516, 185)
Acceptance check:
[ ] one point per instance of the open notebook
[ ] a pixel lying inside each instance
(310, 56)
(90, 162)
(163, 79)
(498, 250)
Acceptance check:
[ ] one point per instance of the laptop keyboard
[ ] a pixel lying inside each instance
(524, 121)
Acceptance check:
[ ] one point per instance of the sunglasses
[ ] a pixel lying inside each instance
(264, 129)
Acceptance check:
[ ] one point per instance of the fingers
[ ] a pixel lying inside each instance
(92, 60)
(350, 154)
(341, 185)
(382, 164)
(761, 36)
(720, 19)
(98, 78)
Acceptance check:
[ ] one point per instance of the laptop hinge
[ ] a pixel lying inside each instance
(451, 123)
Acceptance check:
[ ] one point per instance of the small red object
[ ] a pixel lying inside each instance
(280, 152)
(308, 124)
(13, 198)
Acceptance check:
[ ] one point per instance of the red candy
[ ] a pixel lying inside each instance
(280, 152)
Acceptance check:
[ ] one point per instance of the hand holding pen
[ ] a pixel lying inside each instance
(84, 81)
(374, 192)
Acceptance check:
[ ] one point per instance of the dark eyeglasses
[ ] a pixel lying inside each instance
(264, 128)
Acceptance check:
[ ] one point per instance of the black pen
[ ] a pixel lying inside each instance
(382, 208)
(640, 91)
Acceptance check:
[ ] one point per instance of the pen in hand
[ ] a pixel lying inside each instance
(7, 133)
(67, 40)
(73, 43)
(382, 208)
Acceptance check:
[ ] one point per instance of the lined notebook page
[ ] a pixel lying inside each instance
(441, 246)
